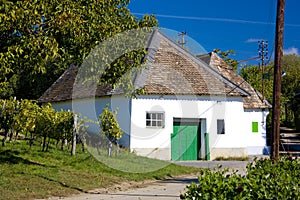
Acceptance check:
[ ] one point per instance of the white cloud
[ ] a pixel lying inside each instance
(291, 50)
(251, 40)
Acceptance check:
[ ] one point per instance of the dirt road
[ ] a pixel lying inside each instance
(165, 190)
(169, 189)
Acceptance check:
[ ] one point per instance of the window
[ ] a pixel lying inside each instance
(155, 119)
(220, 126)
(254, 127)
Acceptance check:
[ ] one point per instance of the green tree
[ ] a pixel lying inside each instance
(63, 127)
(46, 125)
(291, 86)
(225, 55)
(8, 110)
(41, 38)
(290, 79)
(290, 83)
(26, 117)
(253, 75)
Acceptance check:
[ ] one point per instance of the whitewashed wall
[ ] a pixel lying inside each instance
(256, 142)
(91, 108)
(156, 142)
(238, 139)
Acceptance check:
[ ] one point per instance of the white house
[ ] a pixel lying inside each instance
(195, 107)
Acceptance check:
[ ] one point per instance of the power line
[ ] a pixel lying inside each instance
(216, 19)
(271, 54)
(254, 58)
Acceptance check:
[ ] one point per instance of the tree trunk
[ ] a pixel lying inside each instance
(17, 134)
(5, 137)
(44, 142)
(82, 145)
(64, 143)
(98, 146)
(47, 148)
(11, 135)
(57, 143)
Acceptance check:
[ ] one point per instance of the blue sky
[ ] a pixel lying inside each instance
(231, 24)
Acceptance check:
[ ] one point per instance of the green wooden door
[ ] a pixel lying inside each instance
(184, 142)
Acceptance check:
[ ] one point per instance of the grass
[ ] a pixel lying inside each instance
(28, 174)
(129, 162)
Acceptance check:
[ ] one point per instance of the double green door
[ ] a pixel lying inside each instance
(184, 141)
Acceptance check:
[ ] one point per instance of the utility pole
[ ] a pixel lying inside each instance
(277, 79)
(263, 54)
(182, 34)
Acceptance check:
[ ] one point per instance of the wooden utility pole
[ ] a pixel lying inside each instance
(277, 79)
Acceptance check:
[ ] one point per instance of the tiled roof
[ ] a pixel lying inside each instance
(62, 88)
(254, 100)
(173, 70)
(170, 70)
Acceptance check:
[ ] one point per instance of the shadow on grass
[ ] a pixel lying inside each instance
(11, 157)
(62, 184)
(83, 160)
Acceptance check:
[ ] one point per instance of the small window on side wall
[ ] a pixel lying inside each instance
(155, 119)
(254, 127)
(220, 126)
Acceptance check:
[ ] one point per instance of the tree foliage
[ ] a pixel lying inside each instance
(290, 82)
(25, 117)
(109, 124)
(291, 78)
(110, 127)
(253, 75)
(36, 123)
(225, 55)
(41, 38)
(7, 112)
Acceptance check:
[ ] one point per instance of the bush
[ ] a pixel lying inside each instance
(27, 117)
(264, 180)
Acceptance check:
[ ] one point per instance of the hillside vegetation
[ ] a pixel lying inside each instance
(32, 173)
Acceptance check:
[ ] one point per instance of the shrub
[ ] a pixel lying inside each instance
(26, 116)
(110, 127)
(264, 180)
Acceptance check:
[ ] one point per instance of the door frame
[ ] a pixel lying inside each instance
(201, 142)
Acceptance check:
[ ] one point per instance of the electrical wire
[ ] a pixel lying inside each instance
(214, 19)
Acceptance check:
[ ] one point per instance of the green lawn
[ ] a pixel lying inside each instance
(28, 174)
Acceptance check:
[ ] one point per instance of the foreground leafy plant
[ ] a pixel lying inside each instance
(264, 180)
